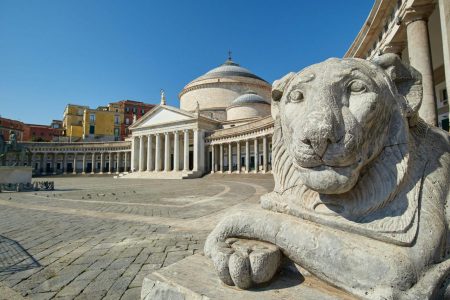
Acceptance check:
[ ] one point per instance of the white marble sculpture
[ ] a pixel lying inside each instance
(361, 187)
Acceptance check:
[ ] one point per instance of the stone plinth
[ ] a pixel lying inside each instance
(195, 278)
(15, 174)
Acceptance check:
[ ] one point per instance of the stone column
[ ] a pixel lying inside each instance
(213, 160)
(256, 156)
(238, 156)
(149, 153)
(118, 162)
(221, 157)
(265, 156)
(125, 161)
(110, 162)
(55, 157)
(176, 151)
(133, 153)
(230, 158)
(166, 152)
(158, 153)
(65, 163)
(186, 150)
(141, 153)
(84, 164)
(420, 57)
(102, 162)
(74, 169)
(444, 12)
(196, 150)
(247, 156)
(44, 163)
(93, 163)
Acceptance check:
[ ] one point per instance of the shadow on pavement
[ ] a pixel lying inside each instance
(14, 258)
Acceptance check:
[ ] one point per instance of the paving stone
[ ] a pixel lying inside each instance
(132, 294)
(119, 287)
(121, 263)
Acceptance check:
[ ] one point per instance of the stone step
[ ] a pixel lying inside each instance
(195, 278)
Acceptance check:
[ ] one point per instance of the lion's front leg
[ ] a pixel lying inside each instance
(243, 250)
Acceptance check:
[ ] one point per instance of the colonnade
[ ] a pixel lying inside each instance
(239, 154)
(102, 162)
(168, 151)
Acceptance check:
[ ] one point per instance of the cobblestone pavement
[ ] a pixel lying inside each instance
(97, 237)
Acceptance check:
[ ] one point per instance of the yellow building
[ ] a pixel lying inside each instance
(73, 121)
(102, 124)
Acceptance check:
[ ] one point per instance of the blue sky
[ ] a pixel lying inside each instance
(93, 52)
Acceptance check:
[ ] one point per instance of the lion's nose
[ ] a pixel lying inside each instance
(319, 145)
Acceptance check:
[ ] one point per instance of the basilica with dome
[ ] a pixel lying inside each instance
(223, 125)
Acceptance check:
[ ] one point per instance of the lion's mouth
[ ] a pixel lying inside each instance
(306, 158)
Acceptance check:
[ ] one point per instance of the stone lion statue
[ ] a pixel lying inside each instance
(361, 187)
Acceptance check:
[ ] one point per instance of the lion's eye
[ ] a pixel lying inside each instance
(357, 87)
(295, 96)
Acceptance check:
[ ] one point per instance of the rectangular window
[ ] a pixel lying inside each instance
(127, 109)
(142, 111)
(127, 121)
(134, 109)
(116, 132)
(92, 118)
(116, 120)
(92, 129)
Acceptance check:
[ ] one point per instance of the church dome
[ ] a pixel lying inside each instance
(228, 69)
(215, 90)
(249, 98)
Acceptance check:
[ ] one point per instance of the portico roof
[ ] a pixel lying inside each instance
(165, 114)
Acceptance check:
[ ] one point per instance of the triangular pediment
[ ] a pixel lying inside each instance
(162, 115)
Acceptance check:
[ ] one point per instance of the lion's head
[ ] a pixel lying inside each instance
(335, 117)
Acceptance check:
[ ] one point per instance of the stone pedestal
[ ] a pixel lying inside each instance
(15, 174)
(195, 278)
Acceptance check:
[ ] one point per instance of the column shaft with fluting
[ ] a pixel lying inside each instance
(238, 156)
(186, 150)
(420, 58)
(221, 158)
(230, 158)
(149, 153)
(158, 152)
(247, 156)
(176, 151)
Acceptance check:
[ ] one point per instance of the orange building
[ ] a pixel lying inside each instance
(43, 133)
(129, 108)
(6, 125)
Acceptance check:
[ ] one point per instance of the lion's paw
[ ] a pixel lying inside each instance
(242, 262)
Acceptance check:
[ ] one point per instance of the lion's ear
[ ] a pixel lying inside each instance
(278, 88)
(407, 80)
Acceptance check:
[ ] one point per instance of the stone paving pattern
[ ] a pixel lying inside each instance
(97, 237)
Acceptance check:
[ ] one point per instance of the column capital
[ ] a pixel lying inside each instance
(417, 12)
(166, 133)
(186, 130)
